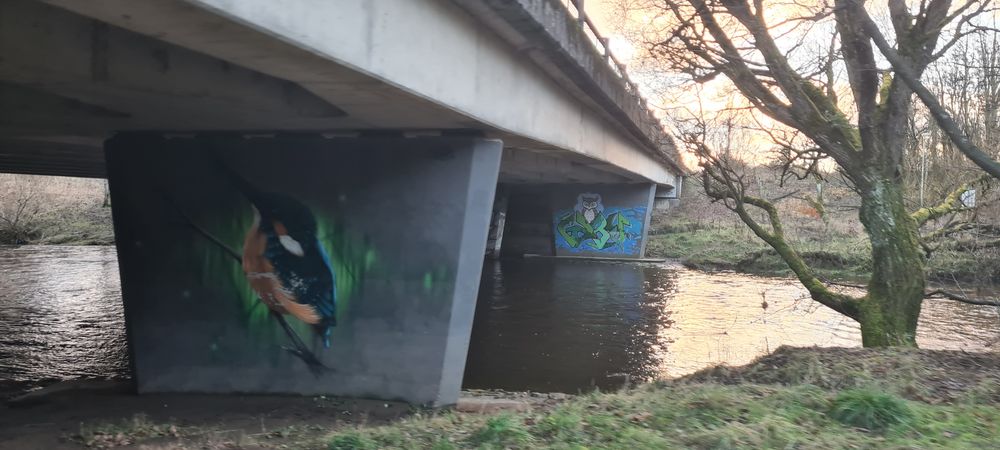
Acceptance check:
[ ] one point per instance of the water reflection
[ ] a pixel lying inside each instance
(569, 325)
(60, 314)
(543, 326)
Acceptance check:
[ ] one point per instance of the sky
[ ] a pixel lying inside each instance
(671, 102)
(710, 97)
(607, 18)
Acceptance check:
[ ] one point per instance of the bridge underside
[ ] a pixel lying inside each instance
(81, 79)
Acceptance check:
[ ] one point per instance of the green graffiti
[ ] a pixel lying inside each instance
(574, 228)
(590, 226)
(351, 259)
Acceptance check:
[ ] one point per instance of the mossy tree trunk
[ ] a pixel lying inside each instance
(888, 313)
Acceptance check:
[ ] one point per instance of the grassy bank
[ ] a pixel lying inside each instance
(736, 248)
(76, 227)
(705, 235)
(794, 398)
(835, 256)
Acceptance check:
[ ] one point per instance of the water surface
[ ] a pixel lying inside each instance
(546, 325)
(61, 314)
(562, 325)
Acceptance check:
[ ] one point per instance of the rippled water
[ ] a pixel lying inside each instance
(60, 314)
(568, 325)
(540, 324)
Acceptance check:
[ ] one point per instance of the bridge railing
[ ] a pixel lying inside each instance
(603, 45)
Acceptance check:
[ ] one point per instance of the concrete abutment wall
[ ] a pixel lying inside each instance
(591, 220)
(374, 244)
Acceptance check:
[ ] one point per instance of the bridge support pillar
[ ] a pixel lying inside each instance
(366, 252)
(497, 223)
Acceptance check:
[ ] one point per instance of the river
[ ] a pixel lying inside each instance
(545, 325)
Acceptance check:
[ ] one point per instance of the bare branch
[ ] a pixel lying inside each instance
(939, 293)
(951, 204)
(941, 116)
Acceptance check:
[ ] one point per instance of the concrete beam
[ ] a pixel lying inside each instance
(49, 158)
(83, 76)
(524, 166)
(436, 66)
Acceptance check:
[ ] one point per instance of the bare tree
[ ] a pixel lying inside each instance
(19, 210)
(864, 129)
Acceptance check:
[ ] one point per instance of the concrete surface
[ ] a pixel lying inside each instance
(404, 222)
(424, 66)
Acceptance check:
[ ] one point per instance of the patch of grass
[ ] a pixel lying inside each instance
(75, 226)
(128, 432)
(564, 424)
(353, 440)
(809, 398)
(803, 398)
(870, 409)
(704, 245)
(503, 431)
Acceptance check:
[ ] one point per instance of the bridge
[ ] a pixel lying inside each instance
(398, 140)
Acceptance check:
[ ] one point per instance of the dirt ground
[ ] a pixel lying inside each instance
(105, 414)
(112, 417)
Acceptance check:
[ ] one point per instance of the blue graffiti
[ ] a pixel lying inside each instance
(590, 227)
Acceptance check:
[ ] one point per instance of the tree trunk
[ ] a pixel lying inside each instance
(888, 314)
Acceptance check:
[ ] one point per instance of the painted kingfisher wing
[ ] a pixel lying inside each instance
(309, 279)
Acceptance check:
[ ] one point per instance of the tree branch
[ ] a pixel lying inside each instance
(721, 182)
(941, 116)
(952, 203)
(940, 293)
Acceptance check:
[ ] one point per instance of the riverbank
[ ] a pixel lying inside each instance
(835, 256)
(54, 210)
(793, 398)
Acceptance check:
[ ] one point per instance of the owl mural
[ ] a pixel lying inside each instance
(588, 227)
(589, 205)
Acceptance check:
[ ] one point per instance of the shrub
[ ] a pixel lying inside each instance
(352, 440)
(503, 431)
(870, 409)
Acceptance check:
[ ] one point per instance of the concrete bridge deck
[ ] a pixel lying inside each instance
(522, 71)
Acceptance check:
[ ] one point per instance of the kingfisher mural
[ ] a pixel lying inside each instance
(285, 265)
(591, 227)
(275, 264)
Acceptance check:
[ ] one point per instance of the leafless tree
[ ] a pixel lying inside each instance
(19, 210)
(863, 125)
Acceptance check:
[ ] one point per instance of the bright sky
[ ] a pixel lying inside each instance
(608, 19)
(716, 95)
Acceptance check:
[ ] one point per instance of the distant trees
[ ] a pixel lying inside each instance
(965, 82)
(54, 210)
(812, 70)
(20, 208)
